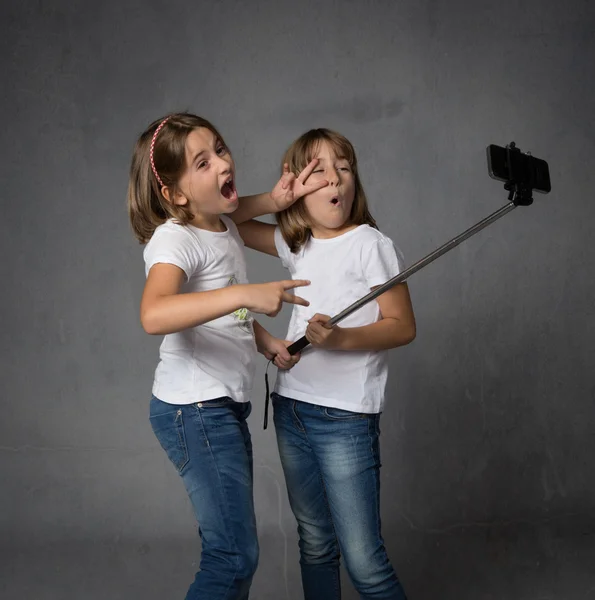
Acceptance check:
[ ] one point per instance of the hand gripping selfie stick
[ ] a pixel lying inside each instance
(522, 173)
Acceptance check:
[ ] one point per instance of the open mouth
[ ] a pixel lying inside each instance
(335, 201)
(229, 191)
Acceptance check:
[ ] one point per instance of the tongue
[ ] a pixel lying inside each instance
(229, 192)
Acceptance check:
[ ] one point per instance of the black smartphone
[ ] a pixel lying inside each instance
(510, 164)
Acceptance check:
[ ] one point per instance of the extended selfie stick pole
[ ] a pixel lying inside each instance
(303, 342)
(522, 174)
(520, 194)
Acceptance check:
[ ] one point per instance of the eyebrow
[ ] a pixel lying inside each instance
(197, 156)
(205, 150)
(337, 158)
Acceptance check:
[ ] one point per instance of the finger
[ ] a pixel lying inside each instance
(269, 355)
(287, 180)
(314, 340)
(293, 299)
(315, 328)
(307, 171)
(284, 355)
(313, 187)
(282, 364)
(289, 284)
(318, 318)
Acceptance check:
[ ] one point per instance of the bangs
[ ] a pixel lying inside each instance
(307, 146)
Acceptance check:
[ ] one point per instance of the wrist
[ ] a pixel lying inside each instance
(341, 338)
(271, 203)
(262, 337)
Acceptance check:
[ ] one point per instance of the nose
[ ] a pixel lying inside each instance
(225, 163)
(333, 178)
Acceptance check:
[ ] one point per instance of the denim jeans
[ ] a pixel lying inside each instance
(209, 444)
(331, 462)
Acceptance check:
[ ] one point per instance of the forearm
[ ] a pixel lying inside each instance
(253, 206)
(382, 335)
(261, 336)
(169, 314)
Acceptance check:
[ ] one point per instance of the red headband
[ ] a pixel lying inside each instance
(153, 148)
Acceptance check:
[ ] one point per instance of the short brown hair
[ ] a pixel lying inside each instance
(147, 208)
(293, 221)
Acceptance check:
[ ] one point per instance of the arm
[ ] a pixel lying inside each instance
(253, 206)
(396, 327)
(259, 236)
(164, 310)
(288, 189)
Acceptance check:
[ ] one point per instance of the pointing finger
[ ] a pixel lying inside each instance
(293, 299)
(289, 284)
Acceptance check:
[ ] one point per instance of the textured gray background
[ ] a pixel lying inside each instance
(488, 432)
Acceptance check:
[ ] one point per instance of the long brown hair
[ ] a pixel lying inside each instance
(293, 221)
(147, 207)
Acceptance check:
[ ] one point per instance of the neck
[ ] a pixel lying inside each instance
(209, 223)
(323, 233)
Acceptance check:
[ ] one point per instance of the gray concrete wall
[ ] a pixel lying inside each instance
(488, 431)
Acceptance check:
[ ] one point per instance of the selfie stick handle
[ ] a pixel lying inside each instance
(303, 342)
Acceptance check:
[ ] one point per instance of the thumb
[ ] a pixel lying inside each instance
(318, 318)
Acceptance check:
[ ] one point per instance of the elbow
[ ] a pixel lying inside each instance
(406, 335)
(411, 334)
(149, 323)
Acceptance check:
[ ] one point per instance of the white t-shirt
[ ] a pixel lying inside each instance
(341, 270)
(217, 358)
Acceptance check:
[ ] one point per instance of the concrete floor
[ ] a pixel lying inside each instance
(550, 559)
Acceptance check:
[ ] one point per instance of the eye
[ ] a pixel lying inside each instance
(222, 150)
(318, 171)
(347, 169)
(202, 164)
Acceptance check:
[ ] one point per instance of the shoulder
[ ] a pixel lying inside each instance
(368, 239)
(379, 247)
(176, 244)
(370, 235)
(172, 232)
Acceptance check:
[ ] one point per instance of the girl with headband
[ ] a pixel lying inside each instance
(183, 204)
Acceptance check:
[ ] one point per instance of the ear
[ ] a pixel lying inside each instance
(174, 195)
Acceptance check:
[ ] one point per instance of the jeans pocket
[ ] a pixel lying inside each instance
(169, 430)
(338, 414)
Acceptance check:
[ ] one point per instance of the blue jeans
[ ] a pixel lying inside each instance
(331, 462)
(209, 444)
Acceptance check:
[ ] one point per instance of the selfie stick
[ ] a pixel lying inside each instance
(520, 189)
